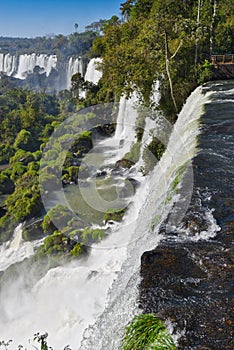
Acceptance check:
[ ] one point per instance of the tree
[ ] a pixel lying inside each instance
(77, 85)
(126, 8)
(25, 141)
(76, 27)
(96, 26)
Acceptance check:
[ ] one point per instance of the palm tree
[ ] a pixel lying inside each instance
(76, 27)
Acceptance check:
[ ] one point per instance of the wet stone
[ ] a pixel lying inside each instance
(190, 284)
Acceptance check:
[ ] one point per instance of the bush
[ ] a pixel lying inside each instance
(147, 332)
(114, 215)
(6, 185)
(57, 217)
(6, 152)
(22, 156)
(90, 235)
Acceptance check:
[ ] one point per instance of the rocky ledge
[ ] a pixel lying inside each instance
(190, 284)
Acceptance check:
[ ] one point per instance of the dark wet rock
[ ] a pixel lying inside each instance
(191, 285)
(103, 130)
(124, 163)
(33, 231)
(3, 211)
(101, 173)
(133, 181)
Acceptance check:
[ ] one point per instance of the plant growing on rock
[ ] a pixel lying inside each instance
(147, 332)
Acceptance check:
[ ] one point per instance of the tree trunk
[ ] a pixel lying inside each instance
(212, 38)
(198, 23)
(168, 72)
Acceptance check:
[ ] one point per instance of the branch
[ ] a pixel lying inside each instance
(176, 51)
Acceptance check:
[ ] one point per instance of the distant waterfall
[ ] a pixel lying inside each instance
(20, 66)
(74, 65)
(93, 74)
(27, 63)
(8, 64)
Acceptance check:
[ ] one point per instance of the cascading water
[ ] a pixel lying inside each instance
(188, 277)
(27, 63)
(102, 290)
(125, 133)
(17, 249)
(92, 73)
(8, 64)
(151, 206)
(20, 66)
(75, 65)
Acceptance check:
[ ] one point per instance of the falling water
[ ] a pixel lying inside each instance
(17, 249)
(101, 291)
(27, 63)
(74, 65)
(92, 73)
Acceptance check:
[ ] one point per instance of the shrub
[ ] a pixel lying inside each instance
(90, 235)
(147, 332)
(114, 214)
(56, 217)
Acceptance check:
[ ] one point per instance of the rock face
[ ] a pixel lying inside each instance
(191, 286)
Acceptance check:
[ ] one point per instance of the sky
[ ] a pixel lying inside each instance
(31, 18)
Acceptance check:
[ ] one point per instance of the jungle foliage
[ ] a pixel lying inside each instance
(165, 40)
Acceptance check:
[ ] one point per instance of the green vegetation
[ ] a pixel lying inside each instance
(164, 39)
(147, 332)
(73, 44)
(90, 235)
(152, 154)
(114, 215)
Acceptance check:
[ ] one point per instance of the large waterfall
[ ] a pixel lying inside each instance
(87, 303)
(21, 66)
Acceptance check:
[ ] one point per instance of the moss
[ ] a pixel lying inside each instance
(7, 226)
(114, 215)
(58, 245)
(83, 143)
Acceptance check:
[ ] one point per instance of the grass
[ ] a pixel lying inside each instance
(147, 332)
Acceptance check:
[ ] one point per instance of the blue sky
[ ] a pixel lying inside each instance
(30, 18)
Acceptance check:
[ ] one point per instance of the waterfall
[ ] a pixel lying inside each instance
(92, 74)
(27, 63)
(16, 250)
(122, 298)
(86, 304)
(8, 64)
(125, 133)
(74, 65)
(20, 66)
